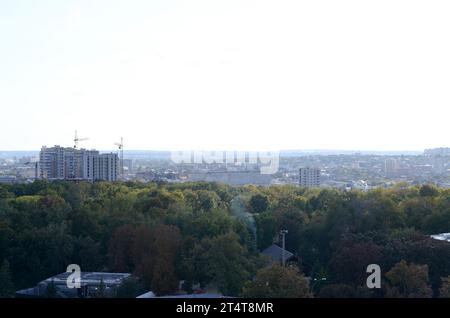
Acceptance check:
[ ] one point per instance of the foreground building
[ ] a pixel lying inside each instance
(90, 284)
(65, 163)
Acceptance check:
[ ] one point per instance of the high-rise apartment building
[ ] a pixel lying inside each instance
(51, 163)
(64, 163)
(391, 167)
(309, 177)
(440, 164)
(437, 152)
(108, 166)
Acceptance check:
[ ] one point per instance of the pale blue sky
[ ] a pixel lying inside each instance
(231, 74)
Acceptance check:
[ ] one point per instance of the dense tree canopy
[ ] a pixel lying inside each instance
(212, 234)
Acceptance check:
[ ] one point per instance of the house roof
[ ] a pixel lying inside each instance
(202, 295)
(275, 253)
(149, 294)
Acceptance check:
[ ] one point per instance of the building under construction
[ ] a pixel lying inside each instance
(65, 163)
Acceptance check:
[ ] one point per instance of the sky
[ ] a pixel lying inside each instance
(225, 75)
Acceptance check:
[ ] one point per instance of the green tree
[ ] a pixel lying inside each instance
(207, 200)
(294, 221)
(278, 282)
(129, 288)
(6, 284)
(89, 254)
(221, 260)
(428, 190)
(165, 280)
(337, 291)
(120, 249)
(259, 203)
(349, 262)
(266, 229)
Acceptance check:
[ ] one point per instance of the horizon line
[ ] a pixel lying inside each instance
(249, 150)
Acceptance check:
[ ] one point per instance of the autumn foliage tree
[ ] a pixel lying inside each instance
(6, 284)
(149, 253)
(408, 281)
(444, 291)
(278, 282)
(167, 241)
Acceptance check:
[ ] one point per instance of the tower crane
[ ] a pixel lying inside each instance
(76, 140)
(120, 145)
(36, 168)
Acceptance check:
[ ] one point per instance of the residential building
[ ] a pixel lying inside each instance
(437, 152)
(65, 163)
(391, 167)
(108, 167)
(309, 177)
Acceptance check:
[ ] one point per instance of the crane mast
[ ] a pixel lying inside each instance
(76, 140)
(120, 145)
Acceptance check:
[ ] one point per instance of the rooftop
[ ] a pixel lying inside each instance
(275, 253)
(441, 237)
(90, 277)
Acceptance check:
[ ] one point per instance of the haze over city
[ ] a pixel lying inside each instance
(225, 75)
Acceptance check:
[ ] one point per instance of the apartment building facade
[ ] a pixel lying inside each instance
(309, 177)
(65, 163)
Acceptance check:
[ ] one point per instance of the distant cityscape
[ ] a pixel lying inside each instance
(343, 170)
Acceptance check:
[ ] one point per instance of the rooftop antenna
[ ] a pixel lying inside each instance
(120, 145)
(76, 140)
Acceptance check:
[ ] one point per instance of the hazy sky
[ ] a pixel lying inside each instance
(256, 75)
